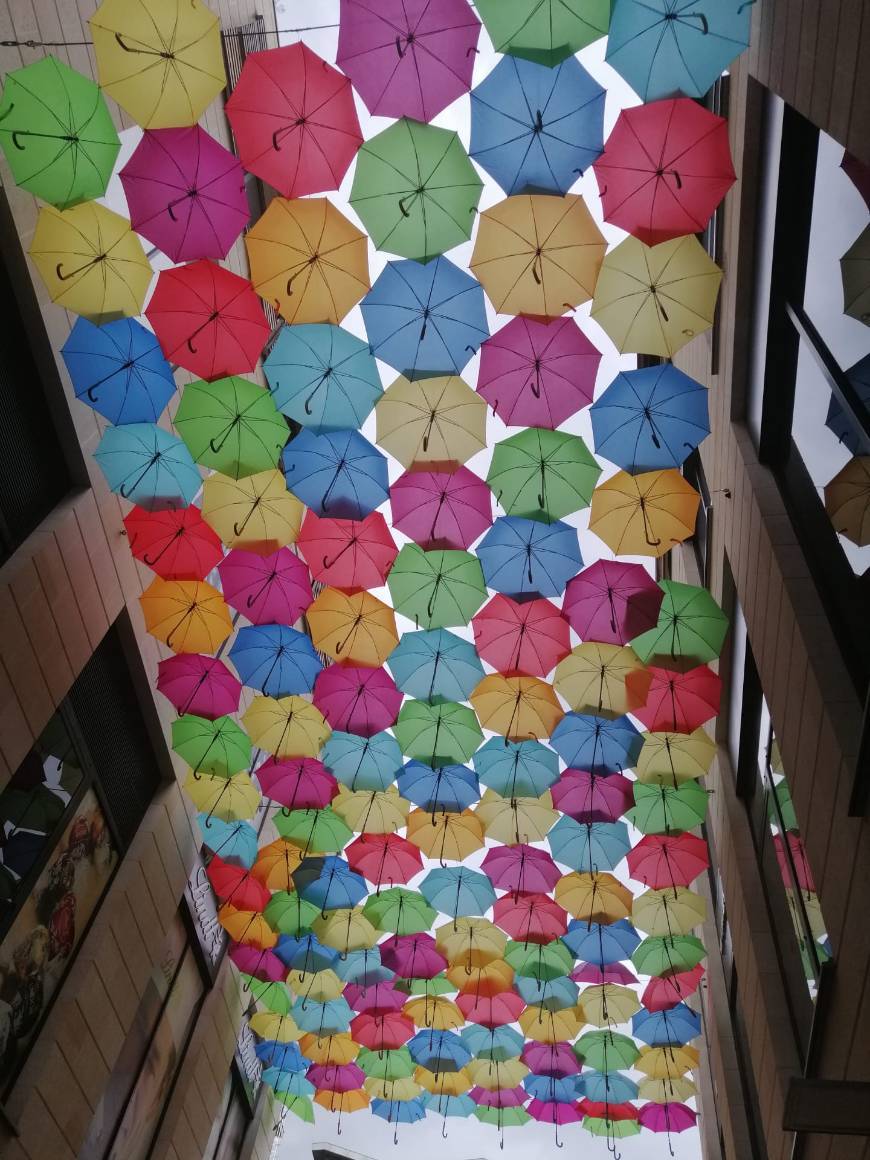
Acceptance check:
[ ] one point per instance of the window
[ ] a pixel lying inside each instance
(717, 102)
(693, 472)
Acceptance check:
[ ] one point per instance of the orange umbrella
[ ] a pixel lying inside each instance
(484, 981)
(329, 1049)
(247, 927)
(352, 1101)
(188, 615)
(355, 627)
(646, 514)
(517, 707)
(445, 836)
(470, 942)
(275, 864)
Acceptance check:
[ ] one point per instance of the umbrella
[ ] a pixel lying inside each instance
(399, 1111)
(198, 684)
(667, 1062)
(262, 965)
(354, 627)
(257, 513)
(511, 768)
(597, 744)
(148, 466)
(90, 261)
(534, 128)
(516, 819)
(650, 418)
(546, 1026)
(609, 1087)
(435, 663)
(331, 1049)
(246, 927)
(530, 918)
(524, 557)
(329, 883)
(308, 260)
(267, 590)
(363, 762)
(399, 911)
(119, 370)
(661, 1091)
(470, 942)
(457, 891)
(551, 1059)
(607, 1003)
(185, 193)
(329, 1018)
(534, 961)
(606, 1051)
(439, 1051)
(593, 678)
(231, 425)
(377, 999)
(660, 994)
(234, 841)
(665, 809)
(438, 588)
(542, 474)
(322, 377)
(384, 858)
(589, 846)
(357, 700)
(293, 120)
(414, 956)
(667, 1117)
(275, 866)
(594, 897)
(691, 625)
(406, 58)
(667, 954)
(177, 543)
(546, 31)
(517, 707)
(289, 914)
(220, 748)
(653, 300)
(342, 1102)
(600, 943)
(275, 659)
(187, 615)
(613, 1121)
(347, 553)
(286, 726)
(441, 509)
(448, 836)
(235, 884)
(56, 133)
(593, 797)
(521, 868)
(491, 978)
(415, 190)
(425, 320)
(668, 46)
(675, 910)
(230, 799)
(611, 601)
(448, 789)
(372, 812)
(437, 421)
(395, 1063)
(345, 930)
(461, 1106)
(644, 515)
(836, 420)
(342, 1077)
(847, 501)
(162, 64)
(491, 1073)
(529, 638)
(538, 254)
(503, 1117)
(680, 701)
(854, 268)
(671, 860)
(443, 1084)
(207, 319)
(336, 474)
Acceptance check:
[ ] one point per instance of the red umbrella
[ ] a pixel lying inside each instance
(347, 554)
(412, 956)
(273, 589)
(677, 702)
(531, 918)
(293, 120)
(200, 685)
(441, 509)
(263, 965)
(664, 169)
(335, 1077)
(357, 700)
(609, 973)
(177, 545)
(612, 602)
(802, 872)
(662, 860)
(298, 784)
(208, 320)
(592, 797)
(381, 1032)
(598, 1110)
(236, 885)
(513, 1097)
(555, 1059)
(521, 868)
(529, 638)
(660, 994)
(491, 1010)
(535, 373)
(384, 858)
(377, 999)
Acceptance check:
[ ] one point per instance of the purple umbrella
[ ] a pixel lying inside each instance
(611, 973)
(185, 193)
(612, 602)
(263, 965)
(522, 868)
(441, 509)
(553, 1059)
(375, 1000)
(500, 1098)
(592, 797)
(336, 1077)
(199, 684)
(356, 700)
(667, 1118)
(554, 1112)
(412, 956)
(273, 589)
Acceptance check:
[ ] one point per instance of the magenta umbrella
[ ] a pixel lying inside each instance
(336, 1077)
(610, 973)
(612, 602)
(553, 1059)
(199, 684)
(440, 509)
(592, 797)
(263, 965)
(666, 1117)
(500, 1098)
(412, 956)
(537, 374)
(376, 1000)
(185, 193)
(273, 589)
(298, 784)
(554, 1112)
(522, 868)
(355, 700)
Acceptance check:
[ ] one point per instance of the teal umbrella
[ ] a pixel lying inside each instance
(691, 626)
(369, 763)
(458, 892)
(516, 768)
(435, 663)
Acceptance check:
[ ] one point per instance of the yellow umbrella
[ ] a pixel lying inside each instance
(666, 1062)
(445, 1083)
(470, 942)
(403, 1088)
(161, 60)
(663, 913)
(275, 864)
(372, 811)
(308, 260)
(188, 615)
(352, 626)
(327, 1049)
(317, 986)
(91, 261)
(644, 515)
(286, 726)
(248, 927)
(517, 707)
(484, 981)
(538, 254)
(445, 836)
(666, 1091)
(592, 679)
(606, 1004)
(434, 1011)
(847, 501)
(493, 1074)
(281, 1028)
(342, 1102)
(512, 820)
(594, 897)
(435, 421)
(546, 1026)
(232, 799)
(256, 513)
(345, 931)
(672, 758)
(654, 299)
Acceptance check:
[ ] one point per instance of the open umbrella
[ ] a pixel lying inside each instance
(660, 955)
(601, 943)
(665, 809)
(669, 860)
(230, 799)
(275, 659)
(372, 812)
(354, 627)
(198, 684)
(286, 726)
(447, 789)
(231, 425)
(347, 553)
(691, 626)
(491, 978)
(589, 846)
(536, 961)
(438, 421)
(338, 473)
(667, 1062)
(301, 784)
(592, 797)
(516, 768)
(436, 589)
(609, 1087)
(672, 758)
(546, 31)
(847, 501)
(662, 993)
(175, 543)
(220, 747)
(414, 956)
(329, 883)
(435, 663)
(145, 464)
(357, 700)
(855, 271)
(521, 557)
(596, 897)
(267, 590)
(530, 917)
(593, 678)
(517, 707)
(605, 1004)
(667, 1117)
(597, 744)
(345, 930)
(456, 891)
(836, 420)
(516, 819)
(674, 910)
(441, 509)
(612, 601)
(661, 1091)
(377, 999)
(606, 1051)
(680, 701)
(644, 515)
(384, 858)
(439, 1051)
(542, 474)
(529, 637)
(363, 762)
(547, 1026)
(189, 616)
(275, 866)
(399, 911)
(448, 836)
(257, 513)
(550, 1059)
(235, 884)
(521, 868)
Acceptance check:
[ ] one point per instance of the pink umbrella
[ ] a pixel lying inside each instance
(491, 1010)
(521, 868)
(610, 973)
(679, 702)
(199, 684)
(500, 1098)
(412, 956)
(660, 994)
(529, 638)
(555, 1059)
(612, 602)
(376, 1000)
(530, 918)
(263, 965)
(798, 859)
(666, 1117)
(441, 509)
(347, 554)
(554, 1112)
(185, 193)
(298, 784)
(355, 700)
(592, 797)
(273, 589)
(537, 374)
(407, 58)
(384, 858)
(336, 1077)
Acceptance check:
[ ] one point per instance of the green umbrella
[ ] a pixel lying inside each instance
(274, 996)
(231, 425)
(539, 961)
(395, 1064)
(612, 1129)
(503, 1117)
(300, 1106)
(436, 589)
(399, 911)
(220, 747)
(437, 985)
(664, 954)
(668, 809)
(314, 831)
(57, 134)
(415, 190)
(691, 625)
(289, 914)
(545, 31)
(543, 474)
(606, 1050)
(438, 732)
(786, 808)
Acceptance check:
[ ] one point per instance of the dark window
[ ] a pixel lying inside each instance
(717, 102)
(693, 472)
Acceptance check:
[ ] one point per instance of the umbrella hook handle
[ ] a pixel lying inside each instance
(705, 27)
(399, 48)
(405, 213)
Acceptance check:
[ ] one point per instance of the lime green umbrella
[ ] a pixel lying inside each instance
(691, 625)
(439, 589)
(786, 808)
(56, 133)
(437, 732)
(665, 954)
(611, 1129)
(300, 1106)
(231, 425)
(668, 809)
(274, 996)
(313, 831)
(606, 1050)
(437, 985)
(545, 31)
(399, 911)
(289, 914)
(219, 747)
(543, 474)
(395, 1064)
(415, 190)
(503, 1117)
(543, 962)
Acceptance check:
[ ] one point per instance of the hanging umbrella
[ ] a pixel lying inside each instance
(262, 965)
(231, 425)
(550, 1026)
(187, 615)
(457, 891)
(516, 820)
(441, 509)
(605, 1004)
(342, 1102)
(667, 1117)
(293, 120)
(448, 789)
(664, 809)
(836, 420)
(524, 557)
(847, 501)
(534, 961)
(357, 700)
(680, 701)
(437, 589)
(597, 744)
(384, 858)
(503, 1117)
(600, 943)
(308, 260)
(596, 897)
(443, 1084)
(606, 1051)
(451, 836)
(147, 465)
(612, 602)
(593, 678)
(470, 942)
(550, 1059)
(538, 254)
(90, 261)
(235, 841)
(546, 31)
(342, 1077)
(208, 320)
(517, 707)
(437, 421)
(415, 190)
(855, 271)
(691, 625)
(535, 128)
(414, 956)
(542, 474)
(593, 797)
(236, 885)
(392, 1064)
(286, 726)
(653, 300)
(336, 474)
(275, 866)
(521, 868)
(275, 659)
(491, 978)
(399, 1111)
(589, 846)
(377, 999)
(257, 513)
(218, 747)
(289, 914)
(246, 927)
(329, 883)
(322, 377)
(491, 1074)
(662, 955)
(662, 1091)
(529, 638)
(399, 911)
(230, 799)
(435, 663)
(363, 762)
(177, 543)
(671, 911)
(609, 1087)
(671, 860)
(537, 373)
(439, 1051)
(461, 1106)
(667, 1062)
(372, 812)
(198, 684)
(516, 769)
(660, 994)
(330, 1049)
(345, 931)
(267, 590)
(613, 1121)
(347, 553)
(354, 627)
(530, 917)
(405, 58)
(644, 515)
(425, 320)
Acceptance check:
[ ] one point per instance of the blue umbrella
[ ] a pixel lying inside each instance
(456, 890)
(399, 1111)
(449, 789)
(281, 1056)
(533, 128)
(595, 942)
(289, 1082)
(439, 1050)
(521, 557)
(859, 376)
(147, 465)
(596, 743)
(322, 377)
(516, 768)
(460, 1106)
(666, 47)
(329, 883)
(495, 1043)
(305, 953)
(425, 320)
(329, 1018)
(233, 841)
(608, 1087)
(363, 968)
(650, 418)
(589, 846)
(554, 994)
(370, 763)
(119, 370)
(337, 474)
(557, 1090)
(435, 663)
(674, 1027)
(275, 659)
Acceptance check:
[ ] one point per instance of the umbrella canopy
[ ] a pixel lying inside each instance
(230, 799)
(452, 836)
(546, 31)
(199, 684)
(231, 425)
(145, 464)
(536, 961)
(347, 553)
(517, 707)
(595, 897)
(217, 747)
(672, 758)
(516, 819)
(470, 942)
(680, 701)
(301, 784)
(530, 918)
(644, 515)
(384, 858)
(435, 663)
(345, 930)
(604, 1004)
(609, 1087)
(597, 744)
(189, 616)
(660, 955)
(547, 1026)
(357, 700)
(414, 956)
(600, 943)
(606, 1051)
(329, 883)
(437, 589)
(286, 726)
(542, 474)
(521, 557)
(448, 789)
(529, 638)
(435, 421)
(661, 1091)
(550, 1059)
(593, 797)
(847, 501)
(257, 513)
(660, 994)
(667, 1117)
(691, 625)
(662, 861)
(589, 846)
(612, 602)
(667, 1062)
(521, 868)
(593, 678)
(336, 474)
(275, 659)
(836, 420)
(175, 543)
(289, 914)
(354, 627)
(440, 509)
(293, 119)
(363, 762)
(511, 768)
(855, 271)
(491, 978)
(663, 809)
(372, 811)
(274, 867)
(538, 254)
(671, 911)
(456, 890)
(267, 590)
(399, 911)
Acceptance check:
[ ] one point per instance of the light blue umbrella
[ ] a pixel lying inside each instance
(281, 1056)
(329, 1018)
(337, 474)
(495, 1043)
(516, 768)
(370, 763)
(439, 1050)
(363, 968)
(554, 994)
(553, 1089)
(289, 1082)
(147, 465)
(608, 1087)
(276, 660)
(322, 377)
(600, 943)
(399, 1111)
(596, 744)
(674, 1027)
(233, 841)
(305, 953)
(459, 1106)
(448, 789)
(329, 883)
(457, 891)
(435, 663)
(589, 846)
(522, 557)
